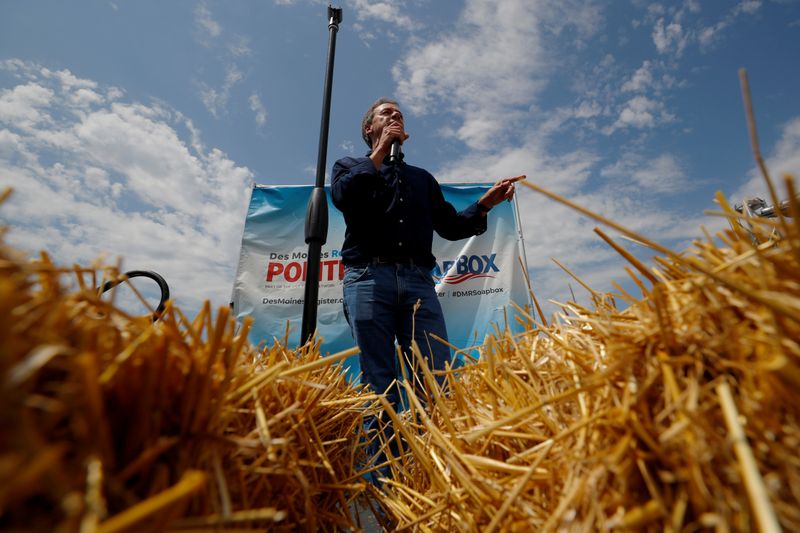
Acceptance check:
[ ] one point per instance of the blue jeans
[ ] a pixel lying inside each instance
(379, 302)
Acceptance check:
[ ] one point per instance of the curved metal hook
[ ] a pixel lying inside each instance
(162, 284)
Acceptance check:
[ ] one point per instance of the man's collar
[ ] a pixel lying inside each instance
(386, 159)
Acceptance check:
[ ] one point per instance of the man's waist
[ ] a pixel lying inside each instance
(392, 259)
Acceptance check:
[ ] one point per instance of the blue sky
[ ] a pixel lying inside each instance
(136, 128)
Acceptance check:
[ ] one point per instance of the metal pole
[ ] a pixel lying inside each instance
(316, 230)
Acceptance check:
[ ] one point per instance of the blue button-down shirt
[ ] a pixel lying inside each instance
(393, 215)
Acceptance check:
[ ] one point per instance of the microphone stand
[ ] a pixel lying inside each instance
(316, 228)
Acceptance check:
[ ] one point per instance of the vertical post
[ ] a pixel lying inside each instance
(316, 228)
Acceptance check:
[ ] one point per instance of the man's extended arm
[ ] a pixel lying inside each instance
(454, 226)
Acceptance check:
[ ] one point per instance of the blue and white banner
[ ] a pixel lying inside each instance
(476, 278)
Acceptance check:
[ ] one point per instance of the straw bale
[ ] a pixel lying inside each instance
(112, 422)
(678, 412)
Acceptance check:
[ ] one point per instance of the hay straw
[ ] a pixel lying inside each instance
(114, 422)
(611, 419)
(599, 418)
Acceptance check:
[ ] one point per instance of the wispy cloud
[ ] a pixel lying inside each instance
(216, 100)
(783, 159)
(671, 37)
(258, 109)
(641, 112)
(239, 46)
(641, 80)
(614, 99)
(661, 174)
(747, 6)
(208, 28)
(674, 29)
(102, 175)
(232, 50)
(383, 11)
(709, 35)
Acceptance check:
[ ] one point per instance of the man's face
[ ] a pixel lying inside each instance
(384, 115)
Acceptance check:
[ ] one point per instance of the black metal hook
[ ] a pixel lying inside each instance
(162, 284)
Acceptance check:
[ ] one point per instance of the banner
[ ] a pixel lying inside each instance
(476, 278)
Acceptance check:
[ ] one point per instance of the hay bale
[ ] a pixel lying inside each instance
(677, 413)
(112, 422)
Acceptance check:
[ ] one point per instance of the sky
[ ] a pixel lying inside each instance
(135, 129)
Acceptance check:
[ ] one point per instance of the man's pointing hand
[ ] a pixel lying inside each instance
(502, 190)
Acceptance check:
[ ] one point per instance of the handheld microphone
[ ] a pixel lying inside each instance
(394, 153)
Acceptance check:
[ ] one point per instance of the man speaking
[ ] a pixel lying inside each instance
(391, 210)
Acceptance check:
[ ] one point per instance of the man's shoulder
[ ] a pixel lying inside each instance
(350, 161)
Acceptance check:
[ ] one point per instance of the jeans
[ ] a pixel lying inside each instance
(379, 302)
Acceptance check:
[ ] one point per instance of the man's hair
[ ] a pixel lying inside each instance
(369, 115)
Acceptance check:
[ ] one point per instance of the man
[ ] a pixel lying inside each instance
(391, 212)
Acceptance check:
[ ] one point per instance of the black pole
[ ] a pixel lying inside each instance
(317, 211)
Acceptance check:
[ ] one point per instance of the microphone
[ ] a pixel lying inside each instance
(394, 152)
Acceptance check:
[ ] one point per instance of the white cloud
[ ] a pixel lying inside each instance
(563, 173)
(216, 101)
(587, 110)
(782, 160)
(640, 112)
(710, 34)
(208, 28)
(670, 37)
(662, 174)
(233, 50)
(674, 36)
(490, 67)
(554, 231)
(240, 46)
(747, 6)
(641, 80)
(383, 11)
(23, 105)
(258, 109)
(118, 178)
(68, 80)
(655, 10)
(367, 36)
